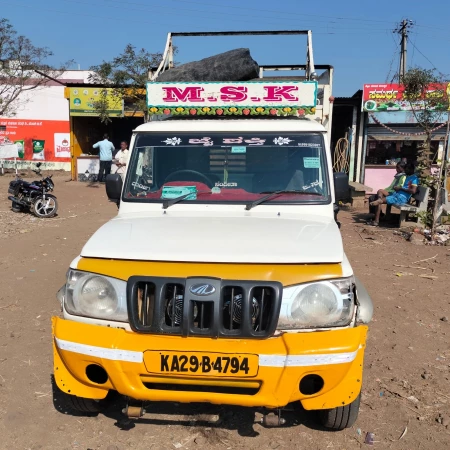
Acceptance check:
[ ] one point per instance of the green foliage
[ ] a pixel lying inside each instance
(127, 76)
(426, 217)
(428, 95)
(428, 107)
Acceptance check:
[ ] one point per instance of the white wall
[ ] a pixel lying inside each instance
(43, 103)
(48, 102)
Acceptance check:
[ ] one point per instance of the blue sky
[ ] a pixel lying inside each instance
(354, 36)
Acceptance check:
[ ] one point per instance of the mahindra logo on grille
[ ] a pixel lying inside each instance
(202, 289)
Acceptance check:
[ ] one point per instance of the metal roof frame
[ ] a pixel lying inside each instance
(167, 61)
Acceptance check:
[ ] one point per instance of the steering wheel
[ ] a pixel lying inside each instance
(200, 177)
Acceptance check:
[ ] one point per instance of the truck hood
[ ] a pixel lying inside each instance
(218, 239)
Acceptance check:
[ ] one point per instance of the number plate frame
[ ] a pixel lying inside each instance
(161, 362)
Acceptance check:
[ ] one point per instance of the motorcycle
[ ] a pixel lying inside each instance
(34, 196)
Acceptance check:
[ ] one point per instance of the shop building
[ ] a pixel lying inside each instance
(56, 124)
(41, 125)
(86, 129)
(392, 134)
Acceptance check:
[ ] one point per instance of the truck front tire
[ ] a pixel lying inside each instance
(79, 404)
(341, 417)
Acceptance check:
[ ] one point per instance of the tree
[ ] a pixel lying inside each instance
(428, 96)
(127, 76)
(22, 68)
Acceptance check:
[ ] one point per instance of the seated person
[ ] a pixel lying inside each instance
(401, 195)
(399, 180)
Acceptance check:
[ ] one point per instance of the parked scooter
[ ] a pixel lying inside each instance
(34, 196)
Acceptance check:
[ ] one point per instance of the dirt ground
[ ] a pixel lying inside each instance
(406, 392)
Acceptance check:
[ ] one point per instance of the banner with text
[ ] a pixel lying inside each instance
(46, 140)
(240, 98)
(82, 102)
(390, 97)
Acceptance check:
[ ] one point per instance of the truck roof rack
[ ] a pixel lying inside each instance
(309, 68)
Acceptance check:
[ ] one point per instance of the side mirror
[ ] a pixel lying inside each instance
(341, 187)
(114, 188)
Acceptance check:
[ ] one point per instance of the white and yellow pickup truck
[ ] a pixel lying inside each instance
(223, 278)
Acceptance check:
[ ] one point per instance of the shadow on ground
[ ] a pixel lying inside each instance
(210, 420)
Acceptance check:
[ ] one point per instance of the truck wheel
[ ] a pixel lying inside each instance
(80, 404)
(340, 417)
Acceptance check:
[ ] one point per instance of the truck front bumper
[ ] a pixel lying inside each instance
(336, 356)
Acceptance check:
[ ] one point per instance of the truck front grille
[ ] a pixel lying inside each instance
(203, 307)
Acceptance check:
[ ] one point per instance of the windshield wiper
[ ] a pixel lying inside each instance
(167, 203)
(269, 195)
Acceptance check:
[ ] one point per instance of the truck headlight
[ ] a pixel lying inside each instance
(96, 296)
(323, 304)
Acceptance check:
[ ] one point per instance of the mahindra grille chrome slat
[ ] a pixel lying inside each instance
(201, 306)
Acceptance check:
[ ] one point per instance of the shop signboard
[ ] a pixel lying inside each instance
(82, 101)
(390, 97)
(46, 141)
(232, 98)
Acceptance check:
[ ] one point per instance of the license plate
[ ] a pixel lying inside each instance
(196, 363)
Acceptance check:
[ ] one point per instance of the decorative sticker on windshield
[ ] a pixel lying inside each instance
(172, 141)
(249, 140)
(238, 149)
(311, 163)
(206, 141)
(241, 140)
(170, 192)
(282, 141)
(139, 186)
(311, 185)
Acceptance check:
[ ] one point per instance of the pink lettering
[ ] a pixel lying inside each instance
(232, 140)
(189, 94)
(278, 94)
(255, 141)
(233, 93)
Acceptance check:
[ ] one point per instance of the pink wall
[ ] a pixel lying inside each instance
(379, 178)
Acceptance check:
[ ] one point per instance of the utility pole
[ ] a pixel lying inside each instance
(403, 29)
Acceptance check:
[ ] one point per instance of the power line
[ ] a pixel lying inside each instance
(388, 79)
(426, 57)
(290, 13)
(39, 8)
(169, 11)
(414, 48)
(339, 31)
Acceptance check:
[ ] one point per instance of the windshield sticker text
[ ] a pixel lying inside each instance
(309, 186)
(140, 186)
(311, 163)
(206, 141)
(238, 149)
(308, 144)
(226, 184)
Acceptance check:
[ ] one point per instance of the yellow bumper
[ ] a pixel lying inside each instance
(336, 356)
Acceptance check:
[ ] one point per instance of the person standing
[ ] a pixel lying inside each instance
(121, 159)
(106, 151)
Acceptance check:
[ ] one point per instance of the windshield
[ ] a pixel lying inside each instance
(228, 168)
